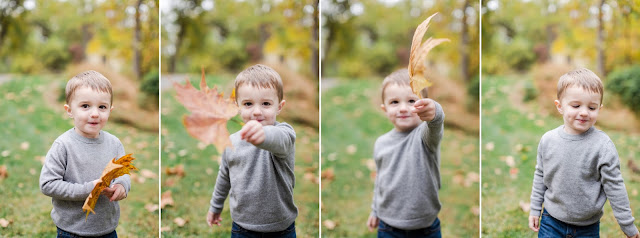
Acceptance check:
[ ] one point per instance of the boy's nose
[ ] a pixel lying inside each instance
(94, 113)
(256, 111)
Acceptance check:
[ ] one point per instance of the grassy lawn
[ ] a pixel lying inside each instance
(511, 130)
(351, 122)
(29, 126)
(192, 192)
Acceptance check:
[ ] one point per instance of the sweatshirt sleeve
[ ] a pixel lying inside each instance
(124, 180)
(221, 190)
(279, 140)
(538, 188)
(615, 190)
(52, 175)
(432, 135)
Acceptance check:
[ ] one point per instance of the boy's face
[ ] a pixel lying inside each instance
(260, 104)
(398, 101)
(579, 109)
(90, 111)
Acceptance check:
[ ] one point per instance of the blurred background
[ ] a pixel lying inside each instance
(526, 47)
(362, 42)
(42, 45)
(225, 37)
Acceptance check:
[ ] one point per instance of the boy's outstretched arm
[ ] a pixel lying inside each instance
(279, 139)
(615, 190)
(431, 112)
(425, 108)
(52, 174)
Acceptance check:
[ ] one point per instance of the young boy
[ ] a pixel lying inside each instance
(76, 159)
(577, 167)
(405, 197)
(258, 170)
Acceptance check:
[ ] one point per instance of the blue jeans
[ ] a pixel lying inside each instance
(65, 234)
(386, 231)
(238, 232)
(551, 227)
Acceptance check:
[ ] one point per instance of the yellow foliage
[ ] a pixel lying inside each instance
(114, 169)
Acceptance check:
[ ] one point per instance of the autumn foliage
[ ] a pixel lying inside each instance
(210, 112)
(115, 168)
(418, 55)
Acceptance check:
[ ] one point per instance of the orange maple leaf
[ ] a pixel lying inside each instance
(210, 112)
(418, 56)
(115, 168)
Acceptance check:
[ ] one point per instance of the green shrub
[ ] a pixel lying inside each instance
(381, 58)
(625, 82)
(25, 63)
(150, 90)
(231, 54)
(530, 91)
(54, 54)
(473, 90)
(519, 54)
(354, 68)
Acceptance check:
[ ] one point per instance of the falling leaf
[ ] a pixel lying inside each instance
(4, 222)
(3, 172)
(327, 174)
(329, 224)
(115, 168)
(210, 112)
(166, 199)
(180, 222)
(151, 207)
(178, 170)
(525, 206)
(418, 55)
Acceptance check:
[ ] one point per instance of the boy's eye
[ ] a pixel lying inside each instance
(393, 102)
(103, 107)
(575, 106)
(592, 108)
(85, 106)
(266, 104)
(412, 101)
(247, 104)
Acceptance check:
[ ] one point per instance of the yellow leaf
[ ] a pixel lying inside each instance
(418, 55)
(115, 168)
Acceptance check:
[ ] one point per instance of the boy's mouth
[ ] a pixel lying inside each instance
(583, 120)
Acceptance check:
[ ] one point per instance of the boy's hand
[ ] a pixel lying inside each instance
(635, 236)
(213, 218)
(252, 132)
(372, 223)
(115, 192)
(425, 108)
(95, 182)
(534, 223)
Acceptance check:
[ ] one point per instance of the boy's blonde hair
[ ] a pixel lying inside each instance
(260, 76)
(92, 79)
(399, 77)
(581, 77)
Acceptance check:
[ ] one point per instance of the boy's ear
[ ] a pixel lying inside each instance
(558, 106)
(68, 109)
(110, 110)
(384, 109)
(280, 106)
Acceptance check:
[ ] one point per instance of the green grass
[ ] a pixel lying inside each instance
(515, 128)
(27, 119)
(192, 192)
(351, 118)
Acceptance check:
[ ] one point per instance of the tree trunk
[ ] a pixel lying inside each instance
(137, 54)
(600, 42)
(314, 42)
(464, 44)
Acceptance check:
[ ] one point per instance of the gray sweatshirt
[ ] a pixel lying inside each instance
(71, 165)
(574, 177)
(260, 179)
(405, 195)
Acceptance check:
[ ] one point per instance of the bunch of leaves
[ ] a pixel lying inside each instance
(418, 56)
(626, 83)
(210, 112)
(115, 168)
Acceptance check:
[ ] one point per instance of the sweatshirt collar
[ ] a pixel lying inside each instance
(567, 136)
(86, 140)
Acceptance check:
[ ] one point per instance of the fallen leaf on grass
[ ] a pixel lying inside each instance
(165, 229)
(327, 174)
(210, 112)
(475, 210)
(489, 146)
(509, 161)
(329, 224)
(525, 206)
(5, 153)
(178, 170)
(311, 177)
(166, 199)
(3, 172)
(24, 145)
(4, 223)
(115, 168)
(180, 222)
(418, 55)
(371, 164)
(633, 167)
(151, 207)
(351, 149)
(138, 179)
(148, 174)
(514, 173)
